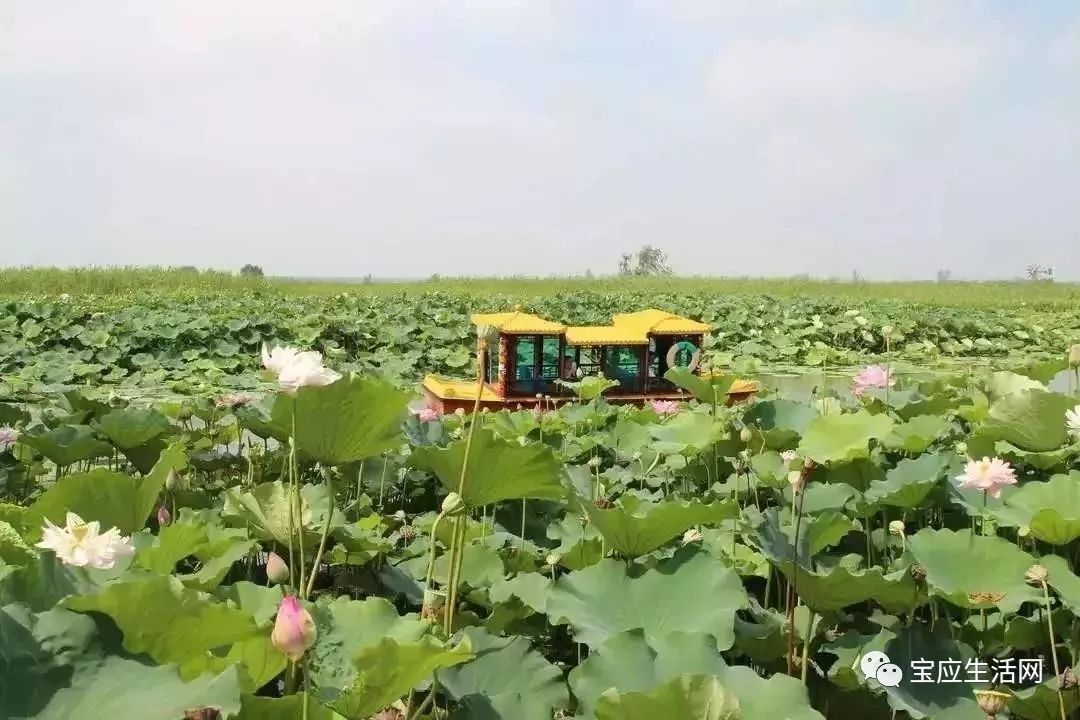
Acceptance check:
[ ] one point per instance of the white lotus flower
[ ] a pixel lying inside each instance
(1072, 421)
(82, 544)
(296, 369)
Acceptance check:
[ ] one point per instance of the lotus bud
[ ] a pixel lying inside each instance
(163, 516)
(553, 559)
(453, 505)
(294, 630)
(896, 527)
(595, 461)
(399, 515)
(991, 702)
(692, 535)
(636, 456)
(172, 481)
(460, 412)
(886, 330)
(795, 479)
(1074, 355)
(1036, 575)
(745, 435)
(277, 571)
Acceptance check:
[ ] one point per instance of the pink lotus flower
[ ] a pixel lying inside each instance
(428, 415)
(294, 630)
(8, 436)
(164, 517)
(987, 475)
(665, 407)
(873, 376)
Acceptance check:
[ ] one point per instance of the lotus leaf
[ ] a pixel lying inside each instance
(635, 527)
(839, 438)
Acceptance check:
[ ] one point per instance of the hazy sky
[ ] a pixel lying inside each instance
(397, 138)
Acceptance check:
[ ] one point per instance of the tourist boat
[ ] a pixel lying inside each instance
(521, 356)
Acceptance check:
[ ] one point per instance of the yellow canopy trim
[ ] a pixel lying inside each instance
(658, 322)
(604, 335)
(458, 389)
(519, 323)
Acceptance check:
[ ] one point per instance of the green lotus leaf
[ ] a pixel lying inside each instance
(1051, 510)
(1050, 460)
(629, 438)
(531, 588)
(589, 388)
(974, 571)
(56, 667)
(917, 434)
(839, 438)
(388, 670)
(690, 592)
(1004, 383)
(635, 527)
(259, 601)
(909, 483)
(627, 662)
(506, 680)
(687, 434)
(67, 444)
(173, 543)
(848, 649)
(12, 414)
(782, 421)
(265, 511)
(13, 549)
(112, 499)
(690, 697)
(216, 559)
(258, 418)
(498, 470)
(931, 700)
(130, 428)
(346, 626)
(352, 419)
(290, 707)
(481, 567)
(708, 389)
(1062, 580)
(170, 623)
(1032, 420)
(1040, 702)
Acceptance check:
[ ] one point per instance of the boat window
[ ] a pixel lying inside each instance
(623, 364)
(550, 360)
(589, 360)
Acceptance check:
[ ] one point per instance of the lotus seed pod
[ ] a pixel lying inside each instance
(896, 527)
(277, 571)
(453, 505)
(745, 435)
(1037, 575)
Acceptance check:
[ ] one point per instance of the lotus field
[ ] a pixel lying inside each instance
(233, 505)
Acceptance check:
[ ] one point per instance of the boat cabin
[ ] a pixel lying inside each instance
(521, 356)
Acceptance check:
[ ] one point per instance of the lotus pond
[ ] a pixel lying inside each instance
(333, 553)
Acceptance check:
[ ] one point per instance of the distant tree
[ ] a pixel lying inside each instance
(944, 275)
(250, 270)
(648, 261)
(588, 274)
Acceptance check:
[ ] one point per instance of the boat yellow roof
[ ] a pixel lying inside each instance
(604, 335)
(659, 322)
(459, 389)
(518, 323)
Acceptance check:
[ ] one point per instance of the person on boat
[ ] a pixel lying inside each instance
(569, 368)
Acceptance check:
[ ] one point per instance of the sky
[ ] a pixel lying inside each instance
(403, 138)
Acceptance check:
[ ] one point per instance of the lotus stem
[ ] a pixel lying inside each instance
(329, 475)
(424, 705)
(806, 645)
(307, 688)
(297, 499)
(793, 594)
(1053, 647)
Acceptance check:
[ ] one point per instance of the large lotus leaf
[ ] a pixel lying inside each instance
(690, 697)
(67, 444)
(848, 649)
(507, 680)
(1050, 509)
(1004, 383)
(352, 419)
(290, 707)
(346, 626)
(932, 700)
(910, 482)
(55, 668)
(1053, 459)
(530, 588)
(635, 527)
(708, 389)
(1040, 702)
(13, 549)
(498, 470)
(129, 428)
(782, 421)
(257, 417)
(216, 559)
(687, 434)
(974, 571)
(265, 511)
(628, 663)
(170, 623)
(11, 415)
(387, 671)
(1032, 420)
(629, 438)
(481, 567)
(839, 438)
(917, 434)
(112, 499)
(1063, 581)
(690, 592)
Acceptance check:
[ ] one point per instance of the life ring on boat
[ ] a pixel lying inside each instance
(686, 346)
